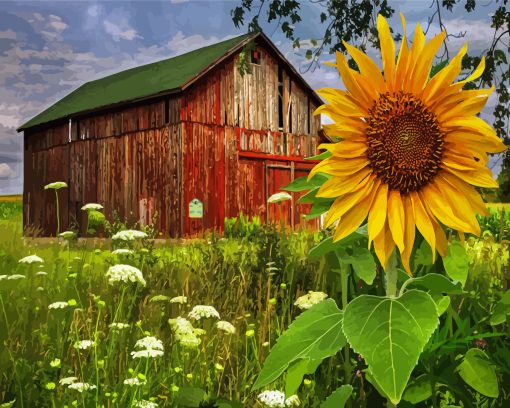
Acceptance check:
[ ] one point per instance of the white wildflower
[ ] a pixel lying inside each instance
(272, 399)
(2, 277)
(67, 234)
(118, 326)
(149, 353)
(310, 299)
(179, 299)
(149, 342)
(202, 311)
(189, 341)
(122, 251)
(92, 206)
(129, 235)
(145, 404)
(41, 273)
(80, 386)
(292, 401)
(159, 298)
(16, 277)
(124, 273)
(58, 305)
(134, 382)
(83, 344)
(279, 197)
(30, 259)
(68, 380)
(181, 325)
(226, 327)
(55, 185)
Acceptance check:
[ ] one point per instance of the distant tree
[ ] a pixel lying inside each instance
(354, 21)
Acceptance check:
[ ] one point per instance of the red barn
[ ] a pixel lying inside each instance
(194, 130)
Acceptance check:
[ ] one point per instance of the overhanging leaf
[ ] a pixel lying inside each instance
(322, 156)
(190, 397)
(315, 335)
(456, 262)
(327, 245)
(302, 184)
(361, 260)
(501, 310)
(297, 371)
(442, 303)
(419, 389)
(478, 372)
(435, 284)
(390, 333)
(338, 398)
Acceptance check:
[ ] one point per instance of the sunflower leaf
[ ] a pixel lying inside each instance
(478, 372)
(314, 335)
(390, 333)
(303, 184)
(456, 262)
(338, 398)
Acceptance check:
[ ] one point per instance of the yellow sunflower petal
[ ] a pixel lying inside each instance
(367, 67)
(488, 142)
(479, 178)
(353, 218)
(342, 101)
(396, 218)
(377, 214)
(466, 153)
(468, 191)
(336, 186)
(337, 166)
(350, 82)
(347, 201)
(344, 132)
(468, 107)
(402, 59)
(477, 73)
(449, 102)
(423, 222)
(346, 148)
(437, 85)
(458, 203)
(409, 233)
(423, 65)
(435, 201)
(384, 245)
(416, 49)
(387, 51)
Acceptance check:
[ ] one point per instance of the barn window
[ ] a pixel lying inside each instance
(255, 57)
(280, 98)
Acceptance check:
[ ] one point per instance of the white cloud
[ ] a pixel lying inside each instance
(57, 23)
(7, 35)
(5, 171)
(180, 43)
(118, 33)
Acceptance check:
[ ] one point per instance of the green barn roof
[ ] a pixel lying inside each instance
(136, 83)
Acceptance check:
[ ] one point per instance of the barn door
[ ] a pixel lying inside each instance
(278, 176)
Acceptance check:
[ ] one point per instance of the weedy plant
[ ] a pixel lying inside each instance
(409, 150)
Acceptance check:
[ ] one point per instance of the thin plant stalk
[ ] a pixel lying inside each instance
(58, 212)
(344, 282)
(391, 290)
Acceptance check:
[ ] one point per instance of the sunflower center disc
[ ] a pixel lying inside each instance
(405, 143)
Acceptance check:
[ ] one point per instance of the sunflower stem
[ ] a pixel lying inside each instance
(344, 282)
(391, 290)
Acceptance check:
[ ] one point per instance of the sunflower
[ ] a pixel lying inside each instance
(411, 147)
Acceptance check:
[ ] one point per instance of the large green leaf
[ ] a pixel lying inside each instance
(190, 397)
(303, 184)
(297, 371)
(501, 310)
(478, 372)
(435, 284)
(315, 335)
(322, 156)
(423, 255)
(338, 398)
(456, 262)
(419, 389)
(390, 333)
(361, 260)
(327, 245)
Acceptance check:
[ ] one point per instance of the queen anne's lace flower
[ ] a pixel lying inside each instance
(272, 399)
(122, 251)
(150, 347)
(310, 299)
(80, 386)
(118, 326)
(134, 382)
(57, 185)
(67, 234)
(159, 298)
(124, 273)
(68, 380)
(189, 341)
(292, 401)
(83, 344)
(129, 235)
(92, 206)
(30, 259)
(145, 404)
(179, 299)
(149, 353)
(184, 332)
(58, 305)
(41, 273)
(202, 311)
(226, 327)
(16, 277)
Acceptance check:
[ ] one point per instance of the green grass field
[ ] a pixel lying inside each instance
(72, 336)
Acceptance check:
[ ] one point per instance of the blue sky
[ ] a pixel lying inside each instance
(47, 49)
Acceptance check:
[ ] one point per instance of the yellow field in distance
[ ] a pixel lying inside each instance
(10, 198)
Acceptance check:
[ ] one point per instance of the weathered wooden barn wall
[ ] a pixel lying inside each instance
(221, 140)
